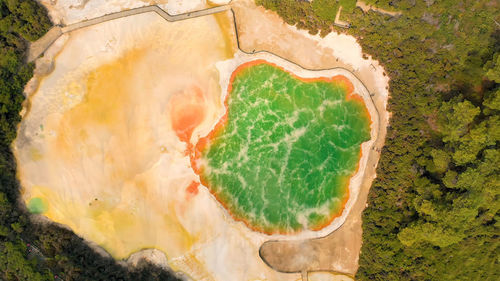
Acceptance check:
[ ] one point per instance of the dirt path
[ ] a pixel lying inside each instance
(38, 47)
(41, 45)
(340, 22)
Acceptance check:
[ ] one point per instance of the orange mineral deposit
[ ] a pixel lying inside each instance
(187, 111)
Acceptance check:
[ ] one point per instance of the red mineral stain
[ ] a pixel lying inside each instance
(193, 188)
(187, 111)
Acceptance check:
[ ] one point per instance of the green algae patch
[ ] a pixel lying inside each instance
(281, 158)
(37, 205)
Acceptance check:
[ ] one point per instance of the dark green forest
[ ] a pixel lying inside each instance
(433, 209)
(62, 253)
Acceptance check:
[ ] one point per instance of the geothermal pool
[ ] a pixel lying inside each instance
(149, 134)
(281, 158)
(37, 205)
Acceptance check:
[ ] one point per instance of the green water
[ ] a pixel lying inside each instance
(37, 205)
(284, 158)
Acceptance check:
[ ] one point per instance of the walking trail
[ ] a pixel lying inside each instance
(38, 47)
